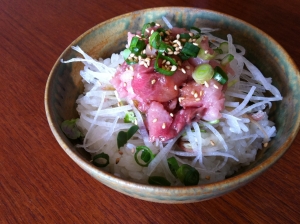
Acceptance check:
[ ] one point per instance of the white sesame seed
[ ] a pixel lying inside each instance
(212, 142)
(182, 69)
(216, 86)
(154, 120)
(170, 52)
(180, 99)
(124, 84)
(152, 31)
(171, 114)
(147, 30)
(196, 95)
(177, 36)
(206, 84)
(163, 126)
(198, 99)
(153, 81)
(175, 87)
(168, 63)
(195, 44)
(187, 67)
(131, 68)
(193, 92)
(173, 68)
(201, 93)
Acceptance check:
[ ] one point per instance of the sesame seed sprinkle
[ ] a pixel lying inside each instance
(153, 81)
(171, 114)
(206, 84)
(212, 143)
(175, 87)
(196, 95)
(163, 126)
(216, 86)
(173, 68)
(154, 120)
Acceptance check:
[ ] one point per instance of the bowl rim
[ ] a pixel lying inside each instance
(230, 183)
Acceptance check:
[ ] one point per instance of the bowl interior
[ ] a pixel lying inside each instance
(64, 85)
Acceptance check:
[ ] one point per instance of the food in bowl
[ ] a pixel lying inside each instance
(178, 106)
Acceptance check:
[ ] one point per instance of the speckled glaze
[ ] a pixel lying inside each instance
(64, 85)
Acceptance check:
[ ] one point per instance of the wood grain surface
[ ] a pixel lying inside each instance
(39, 183)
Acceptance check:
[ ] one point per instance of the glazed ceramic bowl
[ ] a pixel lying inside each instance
(64, 85)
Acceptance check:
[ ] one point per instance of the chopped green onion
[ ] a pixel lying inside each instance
(123, 136)
(198, 34)
(146, 26)
(162, 70)
(173, 165)
(188, 175)
(190, 49)
(214, 121)
(70, 129)
(224, 47)
(155, 40)
(163, 47)
(202, 73)
(101, 156)
(205, 55)
(129, 117)
(220, 75)
(158, 181)
(227, 59)
(184, 36)
(146, 155)
(137, 45)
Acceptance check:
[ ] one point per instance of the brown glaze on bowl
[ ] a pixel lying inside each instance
(64, 85)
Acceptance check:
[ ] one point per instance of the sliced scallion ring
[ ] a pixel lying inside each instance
(220, 75)
(101, 156)
(190, 50)
(162, 70)
(143, 153)
(188, 175)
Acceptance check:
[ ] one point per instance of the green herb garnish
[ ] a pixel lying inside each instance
(220, 75)
(173, 165)
(101, 156)
(158, 181)
(124, 136)
(143, 153)
(129, 117)
(188, 175)
(70, 129)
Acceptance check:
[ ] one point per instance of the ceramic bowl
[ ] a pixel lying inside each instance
(64, 85)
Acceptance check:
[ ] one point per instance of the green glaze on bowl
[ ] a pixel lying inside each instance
(64, 85)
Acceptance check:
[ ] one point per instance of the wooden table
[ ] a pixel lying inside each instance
(39, 183)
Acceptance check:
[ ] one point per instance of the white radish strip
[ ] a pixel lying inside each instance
(217, 153)
(216, 133)
(244, 103)
(259, 77)
(161, 155)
